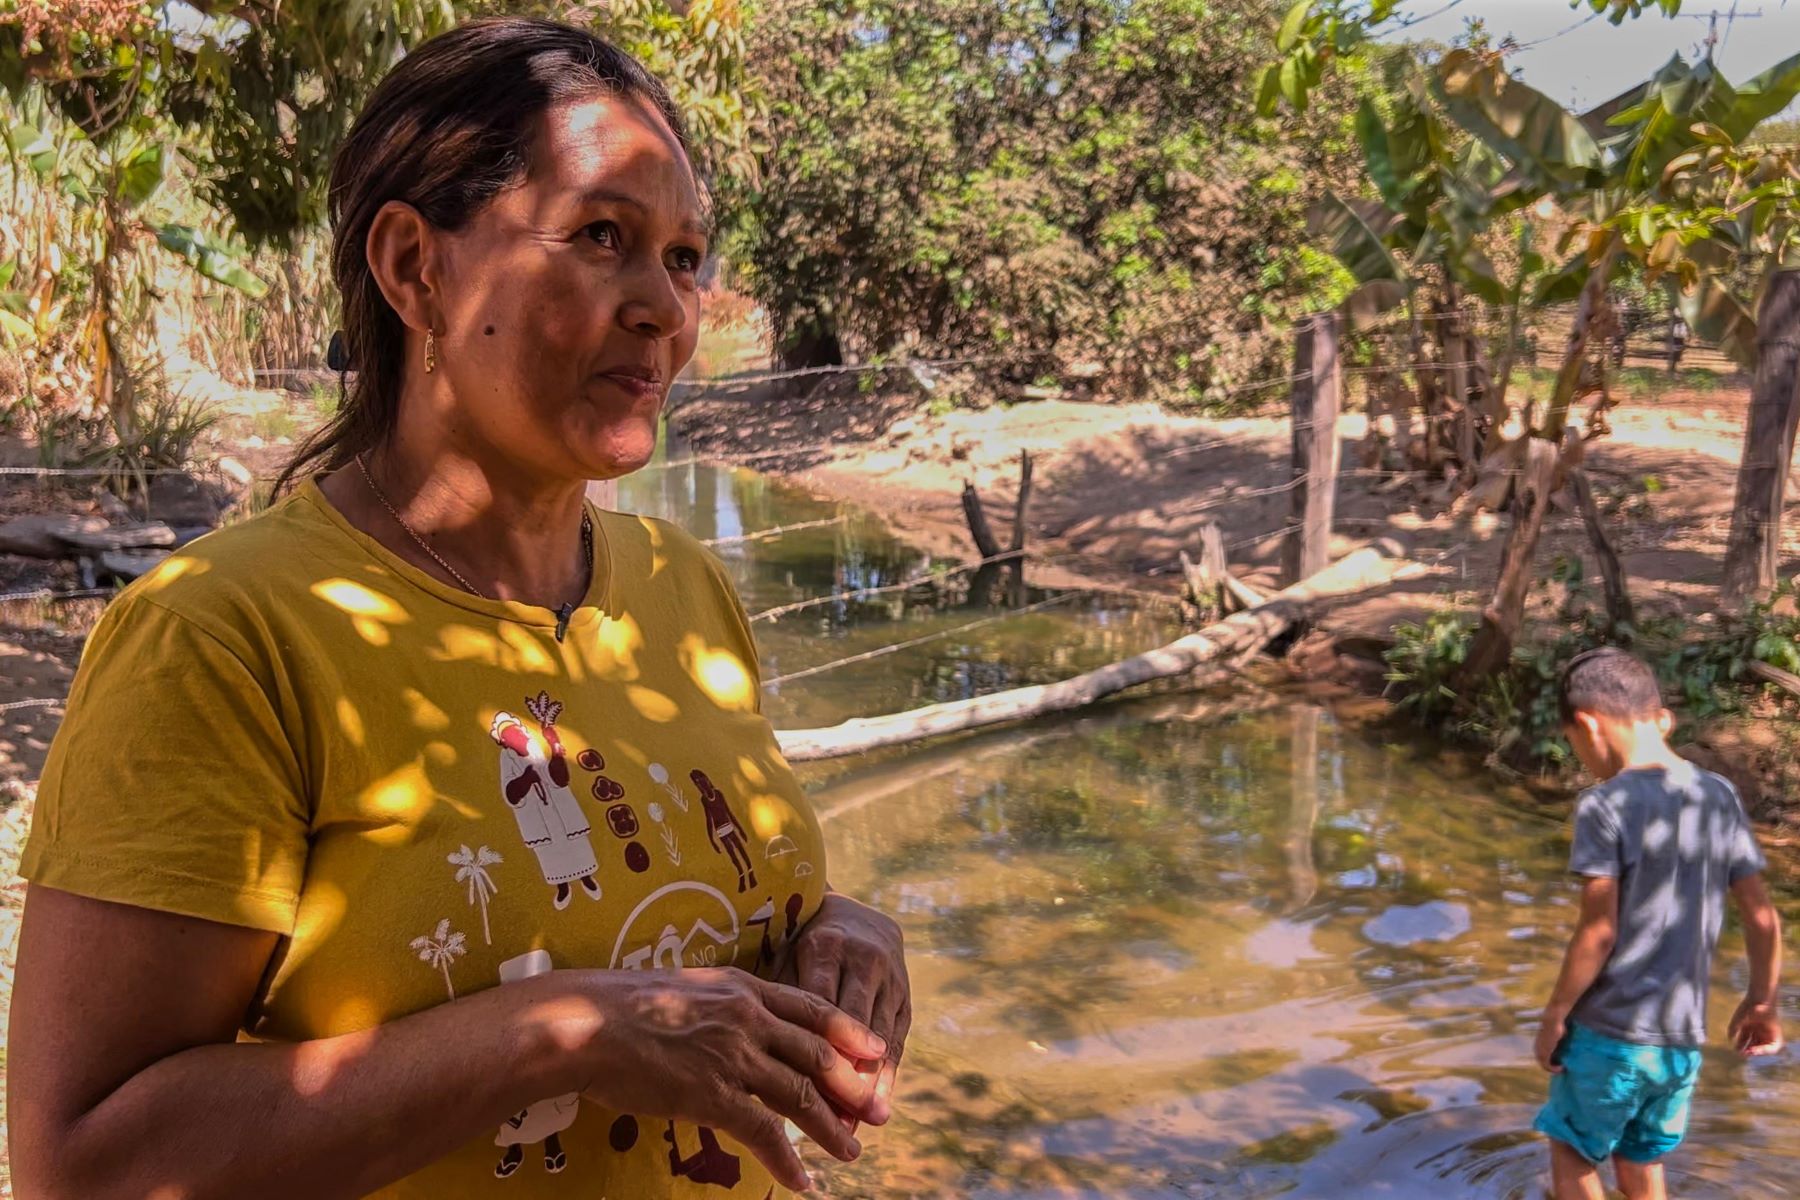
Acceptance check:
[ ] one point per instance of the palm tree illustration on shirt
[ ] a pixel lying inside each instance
(440, 948)
(472, 869)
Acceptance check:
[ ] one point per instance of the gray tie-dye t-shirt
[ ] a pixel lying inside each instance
(1675, 840)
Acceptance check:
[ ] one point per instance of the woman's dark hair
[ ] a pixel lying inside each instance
(450, 126)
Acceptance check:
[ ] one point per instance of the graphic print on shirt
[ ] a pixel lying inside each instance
(439, 948)
(765, 953)
(534, 780)
(671, 843)
(659, 775)
(621, 818)
(722, 830)
(710, 1164)
(472, 869)
(652, 939)
(795, 903)
(544, 1121)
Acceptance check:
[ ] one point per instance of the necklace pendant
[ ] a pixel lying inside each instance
(562, 619)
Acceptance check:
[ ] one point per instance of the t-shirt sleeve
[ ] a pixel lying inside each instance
(1744, 857)
(172, 783)
(1596, 850)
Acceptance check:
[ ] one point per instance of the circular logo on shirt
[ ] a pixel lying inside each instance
(685, 924)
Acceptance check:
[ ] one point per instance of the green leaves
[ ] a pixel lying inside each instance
(1356, 232)
(141, 174)
(1617, 10)
(34, 146)
(1291, 25)
(1564, 284)
(1715, 315)
(1533, 132)
(210, 258)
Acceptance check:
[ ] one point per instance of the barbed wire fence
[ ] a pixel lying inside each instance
(1253, 405)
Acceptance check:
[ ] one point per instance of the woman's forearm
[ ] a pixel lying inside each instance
(341, 1116)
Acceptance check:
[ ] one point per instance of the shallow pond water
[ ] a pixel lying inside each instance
(1158, 953)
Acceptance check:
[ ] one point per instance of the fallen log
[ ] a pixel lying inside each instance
(1236, 636)
(892, 777)
(1786, 680)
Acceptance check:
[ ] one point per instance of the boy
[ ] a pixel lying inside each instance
(1658, 845)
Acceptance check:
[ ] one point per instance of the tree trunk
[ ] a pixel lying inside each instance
(1023, 505)
(1458, 358)
(1753, 548)
(1618, 600)
(986, 544)
(1568, 378)
(1495, 401)
(1430, 385)
(1504, 615)
(1206, 578)
(1234, 637)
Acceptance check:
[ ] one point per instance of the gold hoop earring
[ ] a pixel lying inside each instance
(430, 351)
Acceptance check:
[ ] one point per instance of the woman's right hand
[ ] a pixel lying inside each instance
(738, 1054)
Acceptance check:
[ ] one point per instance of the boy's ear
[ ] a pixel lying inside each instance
(1590, 725)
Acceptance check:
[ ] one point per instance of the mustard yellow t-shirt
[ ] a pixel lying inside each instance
(285, 726)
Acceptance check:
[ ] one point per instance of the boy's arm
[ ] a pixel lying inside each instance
(1595, 931)
(1756, 1026)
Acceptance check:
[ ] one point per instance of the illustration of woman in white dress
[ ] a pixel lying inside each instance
(534, 779)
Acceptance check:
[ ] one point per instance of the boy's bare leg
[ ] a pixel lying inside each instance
(1640, 1181)
(1573, 1177)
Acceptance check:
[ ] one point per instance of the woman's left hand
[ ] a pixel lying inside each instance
(853, 956)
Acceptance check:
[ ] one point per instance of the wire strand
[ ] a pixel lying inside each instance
(896, 647)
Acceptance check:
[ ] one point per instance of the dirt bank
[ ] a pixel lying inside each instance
(1120, 490)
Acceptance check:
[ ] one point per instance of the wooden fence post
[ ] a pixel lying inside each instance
(1753, 548)
(1318, 384)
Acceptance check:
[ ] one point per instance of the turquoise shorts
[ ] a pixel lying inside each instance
(1622, 1098)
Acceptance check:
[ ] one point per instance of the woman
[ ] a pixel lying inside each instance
(371, 816)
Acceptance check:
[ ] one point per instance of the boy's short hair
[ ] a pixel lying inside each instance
(1608, 682)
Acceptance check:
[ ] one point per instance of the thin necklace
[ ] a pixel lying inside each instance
(587, 547)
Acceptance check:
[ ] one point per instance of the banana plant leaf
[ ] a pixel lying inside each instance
(1531, 131)
(1715, 315)
(1563, 284)
(1368, 304)
(210, 258)
(1476, 272)
(1356, 232)
(1684, 105)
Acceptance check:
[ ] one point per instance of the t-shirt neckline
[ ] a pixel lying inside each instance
(598, 598)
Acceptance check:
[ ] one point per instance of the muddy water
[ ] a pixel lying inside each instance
(1161, 953)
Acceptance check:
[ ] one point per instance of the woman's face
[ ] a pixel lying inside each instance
(571, 300)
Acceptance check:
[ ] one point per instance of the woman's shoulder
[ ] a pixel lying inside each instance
(238, 572)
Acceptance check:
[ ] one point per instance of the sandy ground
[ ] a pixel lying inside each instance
(1120, 490)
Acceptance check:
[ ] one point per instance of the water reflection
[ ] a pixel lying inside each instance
(859, 554)
(1121, 996)
(1156, 955)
